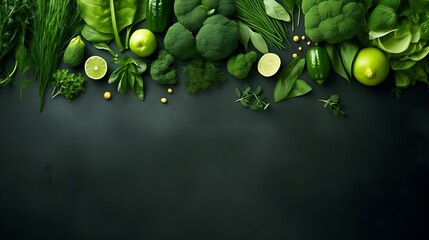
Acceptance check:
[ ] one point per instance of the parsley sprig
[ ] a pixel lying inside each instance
(67, 83)
(335, 105)
(252, 99)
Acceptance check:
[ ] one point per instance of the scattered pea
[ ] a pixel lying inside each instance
(107, 95)
(303, 38)
(299, 48)
(308, 43)
(317, 44)
(295, 55)
(164, 100)
(170, 90)
(296, 39)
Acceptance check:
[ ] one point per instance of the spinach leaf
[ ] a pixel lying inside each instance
(402, 79)
(276, 10)
(287, 78)
(401, 64)
(336, 62)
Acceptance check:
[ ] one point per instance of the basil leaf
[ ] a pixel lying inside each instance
(276, 10)
(114, 77)
(336, 62)
(131, 78)
(138, 88)
(141, 66)
(258, 42)
(104, 46)
(348, 52)
(287, 78)
(300, 88)
(122, 85)
(244, 35)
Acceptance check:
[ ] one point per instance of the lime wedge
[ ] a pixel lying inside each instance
(95, 67)
(269, 64)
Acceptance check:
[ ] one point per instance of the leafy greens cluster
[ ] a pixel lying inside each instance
(129, 74)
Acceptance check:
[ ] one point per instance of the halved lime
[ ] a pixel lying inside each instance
(269, 64)
(95, 67)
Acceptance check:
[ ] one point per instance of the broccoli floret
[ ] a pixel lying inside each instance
(332, 21)
(209, 4)
(192, 13)
(180, 42)
(226, 8)
(391, 3)
(240, 65)
(163, 70)
(218, 37)
(382, 18)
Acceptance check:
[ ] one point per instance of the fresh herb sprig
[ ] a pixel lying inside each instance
(67, 83)
(55, 23)
(334, 104)
(15, 17)
(252, 99)
(129, 74)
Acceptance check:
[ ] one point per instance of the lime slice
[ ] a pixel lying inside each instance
(95, 67)
(269, 64)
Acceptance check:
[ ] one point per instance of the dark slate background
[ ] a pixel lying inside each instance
(204, 167)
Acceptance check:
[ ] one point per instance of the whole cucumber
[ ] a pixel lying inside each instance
(318, 64)
(158, 14)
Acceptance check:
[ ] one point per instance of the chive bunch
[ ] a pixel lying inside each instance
(252, 13)
(55, 23)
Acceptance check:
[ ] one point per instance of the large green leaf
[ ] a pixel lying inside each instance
(103, 14)
(110, 16)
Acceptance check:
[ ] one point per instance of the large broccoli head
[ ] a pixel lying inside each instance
(192, 13)
(180, 42)
(218, 37)
(332, 21)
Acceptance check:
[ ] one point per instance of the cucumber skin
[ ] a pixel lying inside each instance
(158, 14)
(318, 64)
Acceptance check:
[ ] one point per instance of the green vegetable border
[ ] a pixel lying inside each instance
(243, 26)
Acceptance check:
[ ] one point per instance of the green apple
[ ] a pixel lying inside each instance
(143, 42)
